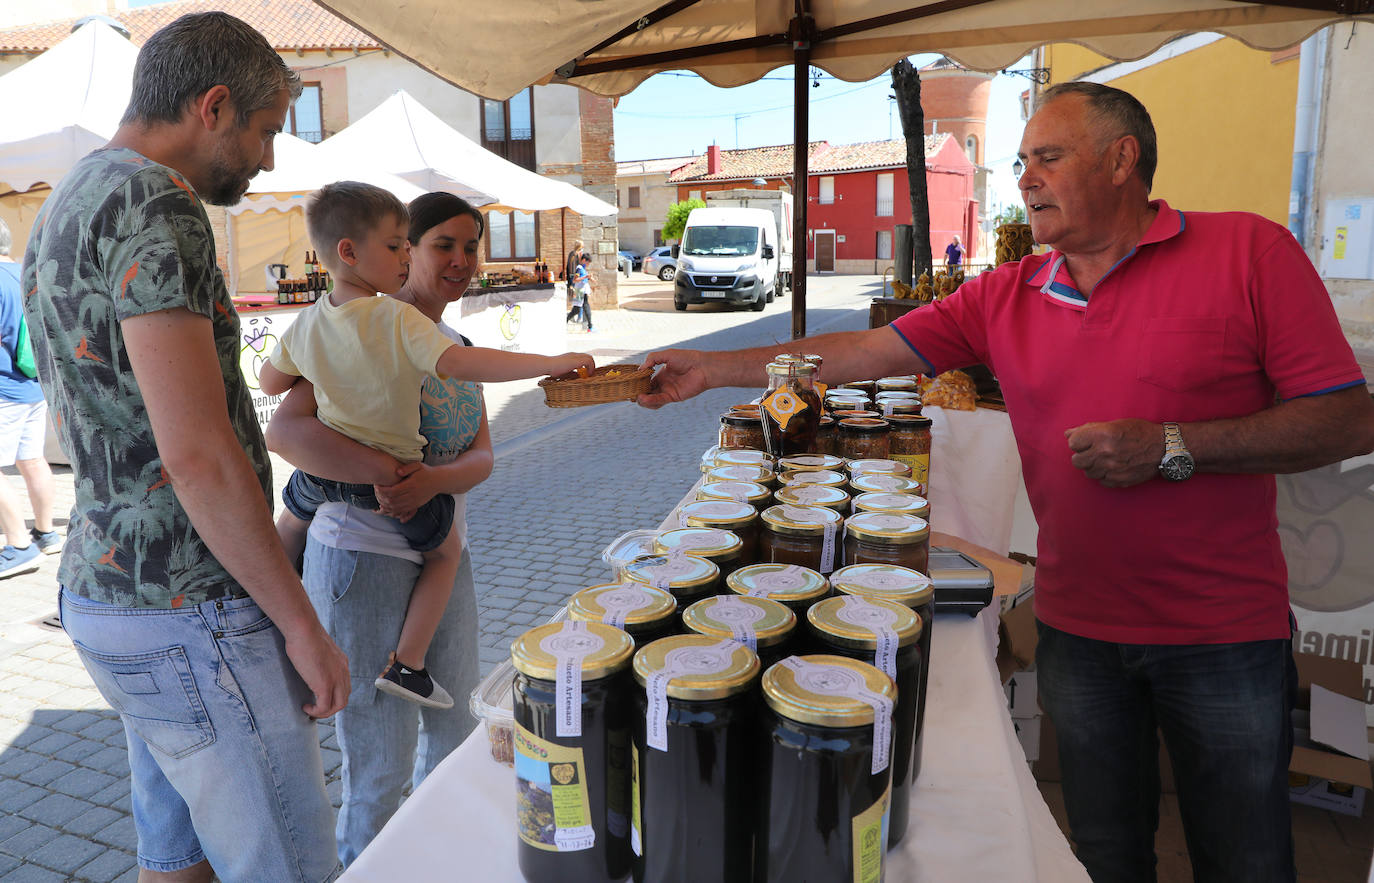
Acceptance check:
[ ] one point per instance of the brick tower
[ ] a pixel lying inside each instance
(955, 100)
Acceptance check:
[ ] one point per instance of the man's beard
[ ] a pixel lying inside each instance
(227, 185)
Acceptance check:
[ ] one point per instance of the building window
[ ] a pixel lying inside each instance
(306, 119)
(971, 148)
(508, 128)
(511, 236)
(884, 252)
(658, 236)
(634, 197)
(827, 185)
(694, 194)
(884, 205)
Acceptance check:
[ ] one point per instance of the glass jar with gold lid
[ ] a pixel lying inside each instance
(741, 519)
(692, 762)
(790, 584)
(911, 442)
(750, 492)
(712, 543)
(897, 504)
(824, 782)
(887, 635)
(846, 400)
(805, 535)
(811, 463)
(899, 408)
(687, 577)
(897, 384)
(878, 482)
(572, 713)
(861, 437)
(825, 435)
(742, 457)
(822, 477)
(643, 611)
(881, 465)
(757, 474)
(864, 413)
(741, 430)
(881, 538)
(889, 395)
(767, 627)
(812, 495)
(790, 409)
(867, 387)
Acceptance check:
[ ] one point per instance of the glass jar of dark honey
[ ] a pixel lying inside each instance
(646, 613)
(740, 518)
(767, 627)
(721, 547)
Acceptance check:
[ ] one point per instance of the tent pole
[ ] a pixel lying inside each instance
(563, 237)
(802, 27)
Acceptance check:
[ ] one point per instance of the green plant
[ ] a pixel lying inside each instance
(1012, 214)
(677, 217)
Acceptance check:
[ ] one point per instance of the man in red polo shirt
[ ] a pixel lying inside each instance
(1158, 367)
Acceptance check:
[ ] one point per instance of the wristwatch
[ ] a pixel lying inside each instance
(1177, 464)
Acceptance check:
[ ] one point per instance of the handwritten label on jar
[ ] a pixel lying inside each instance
(801, 515)
(834, 680)
(866, 615)
(680, 661)
(620, 602)
(886, 580)
(737, 615)
(787, 579)
(568, 647)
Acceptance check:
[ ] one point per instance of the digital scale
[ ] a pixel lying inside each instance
(962, 585)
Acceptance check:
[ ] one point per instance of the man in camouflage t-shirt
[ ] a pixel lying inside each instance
(175, 590)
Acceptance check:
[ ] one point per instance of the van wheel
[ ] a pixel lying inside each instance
(757, 305)
(772, 292)
(681, 307)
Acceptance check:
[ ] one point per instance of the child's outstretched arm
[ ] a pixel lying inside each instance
(493, 366)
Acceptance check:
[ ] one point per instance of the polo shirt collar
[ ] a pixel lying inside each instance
(1052, 277)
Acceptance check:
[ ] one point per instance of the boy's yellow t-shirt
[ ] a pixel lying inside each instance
(367, 359)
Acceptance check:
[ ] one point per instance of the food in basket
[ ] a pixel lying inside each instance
(953, 389)
(613, 383)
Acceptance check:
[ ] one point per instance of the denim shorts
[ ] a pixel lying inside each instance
(428, 527)
(224, 763)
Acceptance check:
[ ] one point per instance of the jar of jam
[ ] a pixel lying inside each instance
(757, 474)
(867, 387)
(767, 627)
(825, 772)
(877, 482)
(895, 395)
(789, 584)
(861, 438)
(881, 538)
(750, 492)
(573, 715)
(888, 636)
(895, 504)
(894, 407)
(718, 546)
(741, 430)
(910, 443)
(813, 495)
(741, 457)
(825, 435)
(791, 409)
(880, 465)
(688, 578)
(804, 535)
(821, 477)
(897, 384)
(846, 400)
(906, 587)
(810, 463)
(741, 519)
(843, 414)
(646, 613)
(692, 761)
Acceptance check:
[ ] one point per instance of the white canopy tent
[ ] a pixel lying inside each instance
(407, 139)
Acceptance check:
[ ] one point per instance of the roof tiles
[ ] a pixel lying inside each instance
(776, 161)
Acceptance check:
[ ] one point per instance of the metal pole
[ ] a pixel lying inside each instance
(802, 26)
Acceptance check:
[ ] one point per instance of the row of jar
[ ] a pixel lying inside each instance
(687, 765)
(858, 433)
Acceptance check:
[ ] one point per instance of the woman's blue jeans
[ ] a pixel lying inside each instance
(1225, 712)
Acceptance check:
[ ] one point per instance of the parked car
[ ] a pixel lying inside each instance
(635, 258)
(661, 263)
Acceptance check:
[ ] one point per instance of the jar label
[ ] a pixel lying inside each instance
(869, 831)
(883, 481)
(919, 463)
(808, 477)
(884, 466)
(672, 565)
(789, 578)
(716, 509)
(891, 501)
(636, 839)
(620, 602)
(809, 494)
(835, 680)
(680, 661)
(828, 548)
(568, 646)
(884, 521)
(551, 805)
(739, 616)
(708, 538)
(806, 461)
(886, 580)
(739, 473)
(783, 404)
(861, 612)
(731, 490)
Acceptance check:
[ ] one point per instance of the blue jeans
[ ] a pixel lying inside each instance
(1225, 713)
(425, 530)
(224, 763)
(387, 743)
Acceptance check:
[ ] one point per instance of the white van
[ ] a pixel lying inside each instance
(727, 255)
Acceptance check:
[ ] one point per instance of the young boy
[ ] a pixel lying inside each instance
(582, 291)
(367, 357)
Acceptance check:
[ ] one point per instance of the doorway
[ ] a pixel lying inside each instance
(825, 251)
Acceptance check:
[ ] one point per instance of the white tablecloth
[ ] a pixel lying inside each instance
(976, 812)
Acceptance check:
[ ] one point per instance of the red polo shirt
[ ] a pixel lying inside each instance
(1210, 316)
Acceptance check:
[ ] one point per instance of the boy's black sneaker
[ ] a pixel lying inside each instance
(414, 685)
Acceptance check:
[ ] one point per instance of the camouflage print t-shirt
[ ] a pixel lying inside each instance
(123, 236)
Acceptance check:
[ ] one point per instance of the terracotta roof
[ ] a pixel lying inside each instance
(651, 166)
(287, 24)
(776, 161)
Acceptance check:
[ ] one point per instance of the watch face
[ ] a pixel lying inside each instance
(1177, 467)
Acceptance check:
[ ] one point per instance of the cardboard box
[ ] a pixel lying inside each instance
(1022, 697)
(1016, 640)
(1027, 731)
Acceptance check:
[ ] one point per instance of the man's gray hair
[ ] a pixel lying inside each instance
(6, 241)
(197, 52)
(1119, 113)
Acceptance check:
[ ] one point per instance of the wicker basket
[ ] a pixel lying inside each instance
(626, 384)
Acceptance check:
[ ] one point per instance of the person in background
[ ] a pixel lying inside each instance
(175, 590)
(954, 254)
(582, 293)
(1158, 367)
(23, 429)
(571, 261)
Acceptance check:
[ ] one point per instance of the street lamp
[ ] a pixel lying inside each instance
(1017, 168)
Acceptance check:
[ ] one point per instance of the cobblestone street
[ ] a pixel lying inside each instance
(567, 482)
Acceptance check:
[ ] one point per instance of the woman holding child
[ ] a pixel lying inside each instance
(360, 570)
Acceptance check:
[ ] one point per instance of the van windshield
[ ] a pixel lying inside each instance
(720, 241)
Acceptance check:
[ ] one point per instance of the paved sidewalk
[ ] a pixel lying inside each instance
(568, 483)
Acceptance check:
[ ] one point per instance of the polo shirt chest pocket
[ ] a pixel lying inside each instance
(1182, 353)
